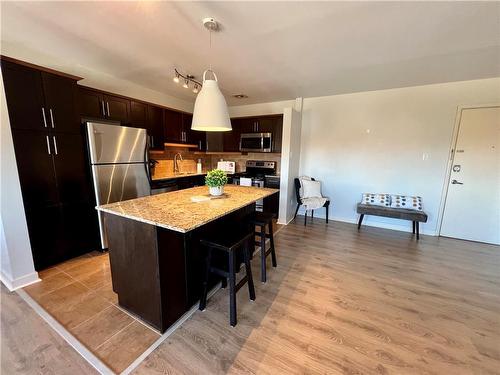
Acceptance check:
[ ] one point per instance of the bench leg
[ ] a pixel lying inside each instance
(413, 227)
(360, 220)
(297, 210)
(417, 225)
(312, 215)
(305, 217)
(327, 209)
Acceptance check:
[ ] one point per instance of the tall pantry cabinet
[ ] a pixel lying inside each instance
(51, 156)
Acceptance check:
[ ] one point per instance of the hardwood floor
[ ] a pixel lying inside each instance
(349, 302)
(31, 346)
(340, 302)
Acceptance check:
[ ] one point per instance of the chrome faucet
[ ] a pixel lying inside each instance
(176, 162)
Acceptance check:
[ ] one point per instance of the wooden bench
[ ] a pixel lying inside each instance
(396, 213)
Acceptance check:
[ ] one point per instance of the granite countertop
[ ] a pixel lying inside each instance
(176, 211)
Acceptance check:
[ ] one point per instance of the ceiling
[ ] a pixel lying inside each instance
(267, 50)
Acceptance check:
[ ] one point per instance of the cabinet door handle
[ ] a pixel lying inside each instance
(152, 141)
(44, 117)
(52, 118)
(206, 145)
(199, 145)
(48, 144)
(107, 106)
(103, 109)
(55, 143)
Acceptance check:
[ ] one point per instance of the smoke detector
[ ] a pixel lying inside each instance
(210, 24)
(240, 96)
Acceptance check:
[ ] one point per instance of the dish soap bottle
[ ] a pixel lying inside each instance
(198, 166)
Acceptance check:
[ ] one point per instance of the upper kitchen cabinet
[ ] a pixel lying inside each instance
(174, 131)
(194, 137)
(60, 98)
(117, 109)
(39, 100)
(156, 127)
(262, 124)
(97, 105)
(138, 114)
(25, 100)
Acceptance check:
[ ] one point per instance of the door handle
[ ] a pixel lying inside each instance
(51, 118)
(44, 117)
(455, 182)
(55, 143)
(48, 144)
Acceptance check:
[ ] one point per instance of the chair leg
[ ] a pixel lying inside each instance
(312, 215)
(223, 283)
(360, 220)
(263, 277)
(413, 222)
(273, 251)
(417, 225)
(305, 217)
(203, 299)
(327, 209)
(232, 290)
(296, 211)
(248, 270)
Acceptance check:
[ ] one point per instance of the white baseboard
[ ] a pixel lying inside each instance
(20, 282)
(370, 222)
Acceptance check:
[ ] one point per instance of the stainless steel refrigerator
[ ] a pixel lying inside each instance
(119, 162)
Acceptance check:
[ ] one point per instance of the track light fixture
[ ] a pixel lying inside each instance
(187, 80)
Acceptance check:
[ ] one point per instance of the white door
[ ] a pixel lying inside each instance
(472, 209)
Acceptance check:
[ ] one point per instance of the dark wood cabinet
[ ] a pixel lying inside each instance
(117, 109)
(90, 103)
(35, 167)
(94, 104)
(156, 127)
(194, 137)
(261, 124)
(25, 99)
(138, 114)
(60, 100)
(174, 131)
(52, 163)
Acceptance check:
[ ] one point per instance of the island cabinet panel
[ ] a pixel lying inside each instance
(148, 270)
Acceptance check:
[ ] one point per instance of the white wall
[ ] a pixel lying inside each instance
(393, 141)
(16, 263)
(290, 162)
(271, 108)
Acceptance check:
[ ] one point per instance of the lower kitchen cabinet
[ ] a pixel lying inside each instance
(61, 232)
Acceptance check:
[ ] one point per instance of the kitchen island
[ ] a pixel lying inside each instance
(156, 260)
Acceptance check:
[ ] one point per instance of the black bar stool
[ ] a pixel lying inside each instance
(261, 220)
(230, 246)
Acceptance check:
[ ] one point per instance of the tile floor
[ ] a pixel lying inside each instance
(79, 295)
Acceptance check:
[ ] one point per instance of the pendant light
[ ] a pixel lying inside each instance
(210, 108)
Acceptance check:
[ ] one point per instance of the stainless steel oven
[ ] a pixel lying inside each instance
(256, 142)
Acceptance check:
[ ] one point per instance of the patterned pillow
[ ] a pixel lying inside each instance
(406, 201)
(376, 199)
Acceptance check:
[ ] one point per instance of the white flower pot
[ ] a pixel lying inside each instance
(216, 190)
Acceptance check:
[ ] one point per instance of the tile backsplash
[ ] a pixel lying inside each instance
(165, 166)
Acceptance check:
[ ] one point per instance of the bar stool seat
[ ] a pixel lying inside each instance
(261, 220)
(229, 244)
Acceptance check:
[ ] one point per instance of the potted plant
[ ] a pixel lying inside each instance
(215, 180)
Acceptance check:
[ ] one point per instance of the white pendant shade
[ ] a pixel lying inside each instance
(210, 108)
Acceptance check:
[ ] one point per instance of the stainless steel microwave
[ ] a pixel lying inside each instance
(256, 142)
